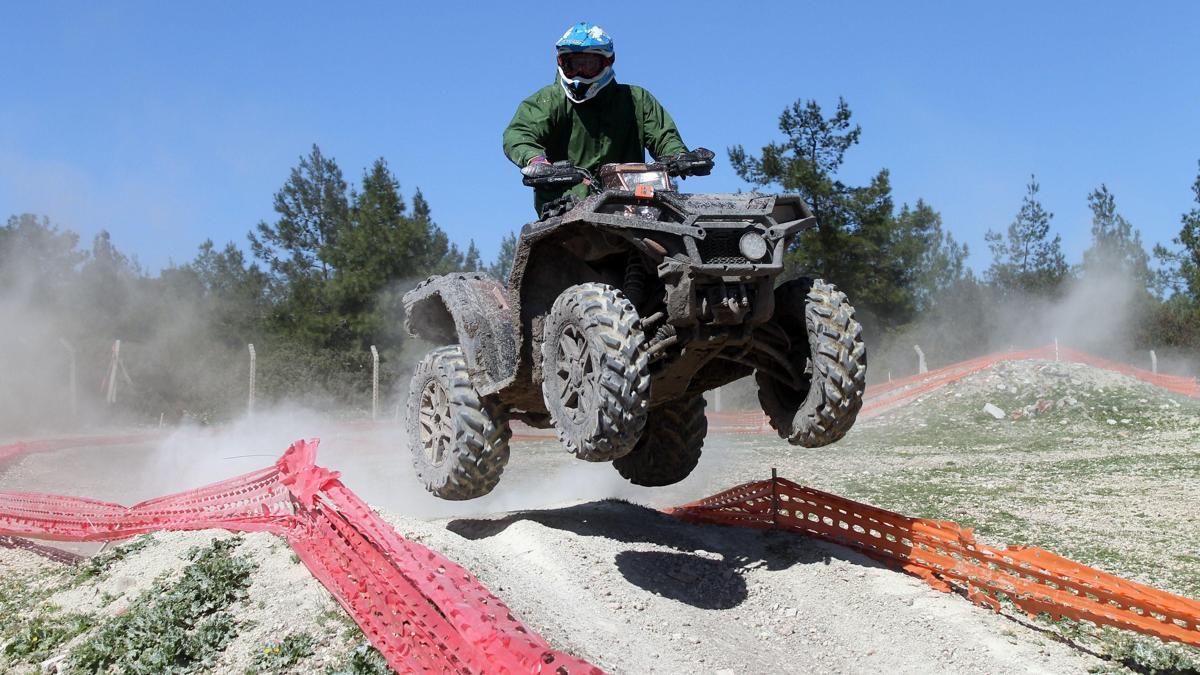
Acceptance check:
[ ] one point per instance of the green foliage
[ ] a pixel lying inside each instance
(313, 211)
(38, 256)
(502, 267)
(340, 264)
(1116, 247)
(364, 660)
(892, 265)
(36, 638)
(280, 656)
(1026, 259)
(174, 627)
(1146, 655)
(1179, 275)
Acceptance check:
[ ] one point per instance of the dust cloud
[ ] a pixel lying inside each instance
(1102, 313)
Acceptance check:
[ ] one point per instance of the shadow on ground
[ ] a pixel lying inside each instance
(708, 566)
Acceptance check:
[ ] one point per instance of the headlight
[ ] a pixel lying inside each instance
(753, 245)
(632, 211)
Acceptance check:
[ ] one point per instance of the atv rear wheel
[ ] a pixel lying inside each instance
(458, 439)
(595, 372)
(836, 368)
(669, 448)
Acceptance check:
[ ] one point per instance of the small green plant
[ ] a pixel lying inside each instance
(335, 613)
(174, 627)
(36, 638)
(1148, 655)
(364, 660)
(279, 656)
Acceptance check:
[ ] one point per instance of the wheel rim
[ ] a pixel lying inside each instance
(437, 433)
(575, 366)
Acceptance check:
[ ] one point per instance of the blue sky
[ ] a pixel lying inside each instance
(169, 123)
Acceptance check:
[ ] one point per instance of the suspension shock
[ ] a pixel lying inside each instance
(635, 279)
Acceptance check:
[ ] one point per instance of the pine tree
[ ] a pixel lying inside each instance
(299, 249)
(1181, 268)
(38, 259)
(232, 292)
(859, 244)
(1027, 259)
(937, 262)
(471, 262)
(502, 267)
(1116, 247)
(313, 210)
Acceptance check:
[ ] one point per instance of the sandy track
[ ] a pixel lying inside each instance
(636, 591)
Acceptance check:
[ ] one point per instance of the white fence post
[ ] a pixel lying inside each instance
(374, 383)
(110, 396)
(253, 375)
(1153, 362)
(71, 376)
(1056, 350)
(921, 367)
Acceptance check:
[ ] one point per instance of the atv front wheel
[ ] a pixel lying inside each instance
(595, 372)
(836, 359)
(458, 439)
(669, 448)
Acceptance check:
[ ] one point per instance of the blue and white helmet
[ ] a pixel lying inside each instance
(584, 39)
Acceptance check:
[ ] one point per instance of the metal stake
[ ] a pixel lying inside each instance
(71, 381)
(110, 396)
(374, 382)
(253, 374)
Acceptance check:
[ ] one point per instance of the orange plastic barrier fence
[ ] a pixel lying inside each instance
(421, 610)
(948, 557)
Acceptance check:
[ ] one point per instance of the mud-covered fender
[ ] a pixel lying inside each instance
(471, 309)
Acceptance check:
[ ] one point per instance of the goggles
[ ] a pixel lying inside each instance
(583, 64)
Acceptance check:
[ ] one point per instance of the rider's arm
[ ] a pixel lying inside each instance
(662, 136)
(528, 132)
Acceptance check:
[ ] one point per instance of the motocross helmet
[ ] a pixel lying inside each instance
(585, 58)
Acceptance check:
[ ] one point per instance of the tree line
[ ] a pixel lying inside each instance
(324, 278)
(907, 275)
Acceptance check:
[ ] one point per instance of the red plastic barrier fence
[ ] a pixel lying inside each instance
(421, 610)
(948, 557)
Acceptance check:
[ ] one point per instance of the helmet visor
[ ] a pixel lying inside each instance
(583, 64)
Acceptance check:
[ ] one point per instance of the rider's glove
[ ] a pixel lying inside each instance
(535, 165)
(698, 162)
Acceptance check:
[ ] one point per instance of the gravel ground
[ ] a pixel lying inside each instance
(1097, 466)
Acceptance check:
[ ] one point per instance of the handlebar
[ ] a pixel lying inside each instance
(698, 162)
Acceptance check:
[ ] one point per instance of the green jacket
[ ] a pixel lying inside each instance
(618, 125)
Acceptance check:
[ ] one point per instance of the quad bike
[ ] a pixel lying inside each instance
(621, 310)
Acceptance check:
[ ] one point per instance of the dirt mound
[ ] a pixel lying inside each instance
(1028, 389)
(627, 587)
(196, 601)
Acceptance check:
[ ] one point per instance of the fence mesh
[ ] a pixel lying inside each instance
(948, 557)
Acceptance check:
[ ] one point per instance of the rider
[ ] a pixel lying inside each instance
(586, 117)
